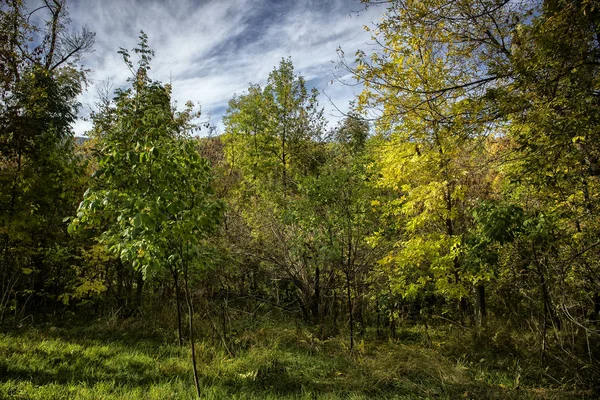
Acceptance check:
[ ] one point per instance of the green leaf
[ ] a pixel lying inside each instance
(148, 222)
(137, 221)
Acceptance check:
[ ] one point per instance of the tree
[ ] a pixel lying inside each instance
(152, 193)
(270, 130)
(431, 136)
(555, 115)
(40, 174)
(524, 74)
(336, 215)
(271, 141)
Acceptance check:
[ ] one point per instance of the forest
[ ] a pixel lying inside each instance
(441, 242)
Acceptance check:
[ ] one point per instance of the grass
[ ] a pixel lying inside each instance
(274, 362)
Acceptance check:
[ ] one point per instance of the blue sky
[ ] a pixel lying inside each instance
(211, 50)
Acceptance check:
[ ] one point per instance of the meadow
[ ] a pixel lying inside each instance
(276, 361)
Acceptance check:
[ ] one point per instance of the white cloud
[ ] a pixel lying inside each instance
(213, 49)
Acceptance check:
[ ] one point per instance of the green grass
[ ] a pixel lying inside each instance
(275, 362)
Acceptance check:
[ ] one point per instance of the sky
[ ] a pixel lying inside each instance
(212, 49)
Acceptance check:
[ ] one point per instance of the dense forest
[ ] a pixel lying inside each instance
(450, 221)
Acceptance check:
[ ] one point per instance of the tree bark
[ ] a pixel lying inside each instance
(317, 296)
(176, 282)
(351, 322)
(188, 300)
(139, 290)
(596, 306)
(480, 306)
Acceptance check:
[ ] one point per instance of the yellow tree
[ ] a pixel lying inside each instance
(445, 73)
(422, 84)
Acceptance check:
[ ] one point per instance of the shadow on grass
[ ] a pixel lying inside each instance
(127, 360)
(67, 357)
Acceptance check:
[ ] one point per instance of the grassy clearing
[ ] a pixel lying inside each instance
(276, 362)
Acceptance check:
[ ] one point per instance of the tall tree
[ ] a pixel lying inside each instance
(336, 218)
(525, 74)
(431, 142)
(39, 174)
(270, 130)
(151, 196)
(272, 140)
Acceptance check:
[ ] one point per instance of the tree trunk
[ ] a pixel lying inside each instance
(596, 316)
(335, 310)
(315, 306)
(351, 322)
(121, 304)
(139, 288)
(188, 300)
(284, 162)
(176, 282)
(378, 323)
(480, 306)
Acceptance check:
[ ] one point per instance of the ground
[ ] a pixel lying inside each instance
(277, 361)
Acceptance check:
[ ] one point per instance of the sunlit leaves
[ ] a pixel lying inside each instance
(151, 196)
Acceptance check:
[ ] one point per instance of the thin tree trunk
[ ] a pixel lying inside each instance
(178, 303)
(190, 306)
(317, 296)
(547, 310)
(121, 303)
(54, 33)
(596, 298)
(350, 310)
(378, 323)
(284, 162)
(139, 290)
(544, 329)
(335, 309)
(480, 306)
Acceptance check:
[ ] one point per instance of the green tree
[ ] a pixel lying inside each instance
(270, 131)
(336, 217)
(40, 175)
(152, 194)
(555, 124)
(272, 142)
(431, 138)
